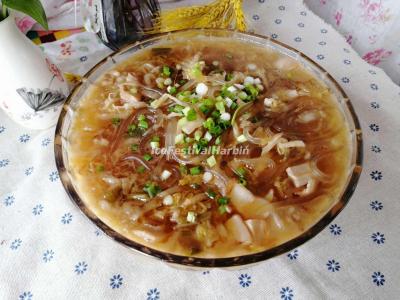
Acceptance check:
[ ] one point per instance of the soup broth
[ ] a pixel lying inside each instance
(209, 148)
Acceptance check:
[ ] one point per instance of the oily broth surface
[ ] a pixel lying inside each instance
(236, 56)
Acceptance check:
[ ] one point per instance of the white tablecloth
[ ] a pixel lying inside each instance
(49, 250)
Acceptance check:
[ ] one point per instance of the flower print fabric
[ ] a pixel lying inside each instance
(371, 27)
(48, 246)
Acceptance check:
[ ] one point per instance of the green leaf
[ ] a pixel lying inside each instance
(32, 8)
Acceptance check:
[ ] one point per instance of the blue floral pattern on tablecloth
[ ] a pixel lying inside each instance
(58, 253)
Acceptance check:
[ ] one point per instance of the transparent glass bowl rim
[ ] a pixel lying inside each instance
(355, 129)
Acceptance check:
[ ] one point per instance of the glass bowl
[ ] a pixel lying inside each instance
(67, 114)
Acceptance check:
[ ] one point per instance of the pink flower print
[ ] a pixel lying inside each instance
(54, 69)
(374, 12)
(66, 48)
(323, 2)
(25, 24)
(338, 17)
(376, 57)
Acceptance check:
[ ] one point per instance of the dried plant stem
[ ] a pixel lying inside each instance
(218, 14)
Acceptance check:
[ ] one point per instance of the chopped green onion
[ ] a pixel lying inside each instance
(142, 118)
(228, 76)
(242, 95)
(211, 161)
(152, 189)
(147, 157)
(215, 114)
(200, 145)
(188, 139)
(208, 102)
(208, 136)
(172, 90)
(204, 109)
(155, 138)
(252, 91)
(176, 108)
(223, 201)
(226, 93)
(241, 172)
(134, 147)
(195, 170)
(197, 135)
(211, 194)
(196, 71)
(234, 105)
(186, 110)
(209, 123)
(154, 145)
(179, 138)
(218, 140)
(132, 130)
(143, 124)
(166, 71)
(220, 106)
(222, 209)
(216, 130)
(191, 115)
(140, 169)
(116, 121)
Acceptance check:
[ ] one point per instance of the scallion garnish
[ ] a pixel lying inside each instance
(241, 172)
(195, 170)
(147, 157)
(211, 194)
(143, 124)
(152, 189)
(220, 106)
(223, 201)
(172, 90)
(222, 209)
(228, 76)
(134, 147)
(166, 71)
(252, 92)
(191, 115)
(116, 121)
(133, 130)
(176, 108)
